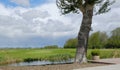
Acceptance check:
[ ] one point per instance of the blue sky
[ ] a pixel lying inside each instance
(8, 3)
(33, 3)
(37, 2)
(37, 23)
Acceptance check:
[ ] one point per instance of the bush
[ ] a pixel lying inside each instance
(95, 53)
(31, 59)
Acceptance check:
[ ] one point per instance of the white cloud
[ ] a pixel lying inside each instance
(31, 14)
(116, 4)
(22, 22)
(22, 2)
(107, 21)
(3, 10)
(46, 21)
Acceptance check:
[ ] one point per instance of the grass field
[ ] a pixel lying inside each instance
(17, 55)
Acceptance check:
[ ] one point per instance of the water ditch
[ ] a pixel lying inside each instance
(37, 63)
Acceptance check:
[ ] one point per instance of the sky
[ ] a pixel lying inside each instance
(38, 23)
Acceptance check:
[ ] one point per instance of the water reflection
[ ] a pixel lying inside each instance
(35, 63)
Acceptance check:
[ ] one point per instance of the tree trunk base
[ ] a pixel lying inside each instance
(81, 61)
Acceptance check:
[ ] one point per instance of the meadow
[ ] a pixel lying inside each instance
(20, 55)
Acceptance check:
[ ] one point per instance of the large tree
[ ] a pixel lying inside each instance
(114, 40)
(98, 40)
(87, 8)
(71, 43)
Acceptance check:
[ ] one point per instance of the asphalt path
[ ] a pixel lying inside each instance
(107, 67)
(115, 64)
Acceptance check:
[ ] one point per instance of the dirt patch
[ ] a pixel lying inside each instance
(51, 67)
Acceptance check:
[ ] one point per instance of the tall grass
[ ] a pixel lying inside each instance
(18, 55)
(106, 53)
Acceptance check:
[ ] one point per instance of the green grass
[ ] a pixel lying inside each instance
(17, 55)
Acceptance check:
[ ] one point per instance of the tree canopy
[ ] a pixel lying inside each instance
(114, 40)
(71, 43)
(99, 40)
(75, 6)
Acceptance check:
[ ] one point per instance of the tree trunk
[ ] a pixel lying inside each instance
(83, 35)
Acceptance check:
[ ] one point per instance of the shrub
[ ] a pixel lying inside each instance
(31, 59)
(95, 52)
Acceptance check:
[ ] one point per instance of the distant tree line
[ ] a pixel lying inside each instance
(51, 47)
(99, 40)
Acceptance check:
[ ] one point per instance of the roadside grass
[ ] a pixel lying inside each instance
(106, 53)
(19, 55)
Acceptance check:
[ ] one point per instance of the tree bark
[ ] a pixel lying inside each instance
(83, 35)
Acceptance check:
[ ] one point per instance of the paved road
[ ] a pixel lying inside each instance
(109, 61)
(115, 61)
(108, 67)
